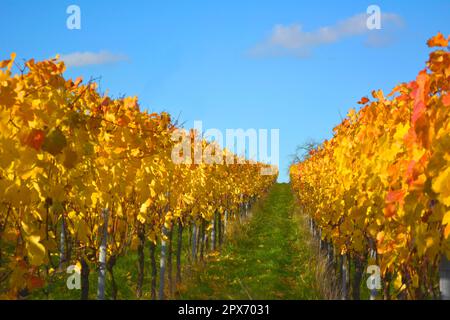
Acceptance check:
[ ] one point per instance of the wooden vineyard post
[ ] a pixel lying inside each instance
(102, 256)
(444, 278)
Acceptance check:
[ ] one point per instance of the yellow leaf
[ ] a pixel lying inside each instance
(26, 228)
(119, 150)
(141, 218)
(145, 205)
(35, 250)
(441, 185)
(94, 198)
(446, 219)
(398, 284)
(72, 214)
(82, 231)
(402, 130)
(31, 173)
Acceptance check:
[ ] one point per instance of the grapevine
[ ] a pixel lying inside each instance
(85, 178)
(382, 183)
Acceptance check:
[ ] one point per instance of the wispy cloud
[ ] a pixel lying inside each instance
(80, 59)
(293, 40)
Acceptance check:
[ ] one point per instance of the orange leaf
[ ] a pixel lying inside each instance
(123, 121)
(380, 236)
(422, 80)
(446, 100)
(4, 63)
(8, 63)
(395, 196)
(447, 231)
(78, 81)
(389, 210)
(438, 41)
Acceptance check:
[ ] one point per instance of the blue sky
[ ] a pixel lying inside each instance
(234, 64)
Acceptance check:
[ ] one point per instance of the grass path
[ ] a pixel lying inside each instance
(268, 258)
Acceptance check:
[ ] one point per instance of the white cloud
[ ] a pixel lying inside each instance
(80, 59)
(293, 40)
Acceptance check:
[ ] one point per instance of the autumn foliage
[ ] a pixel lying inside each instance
(67, 152)
(382, 183)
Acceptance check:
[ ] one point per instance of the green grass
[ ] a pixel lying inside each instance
(268, 258)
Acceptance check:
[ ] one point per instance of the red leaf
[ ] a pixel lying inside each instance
(363, 100)
(36, 282)
(419, 110)
(421, 93)
(35, 139)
